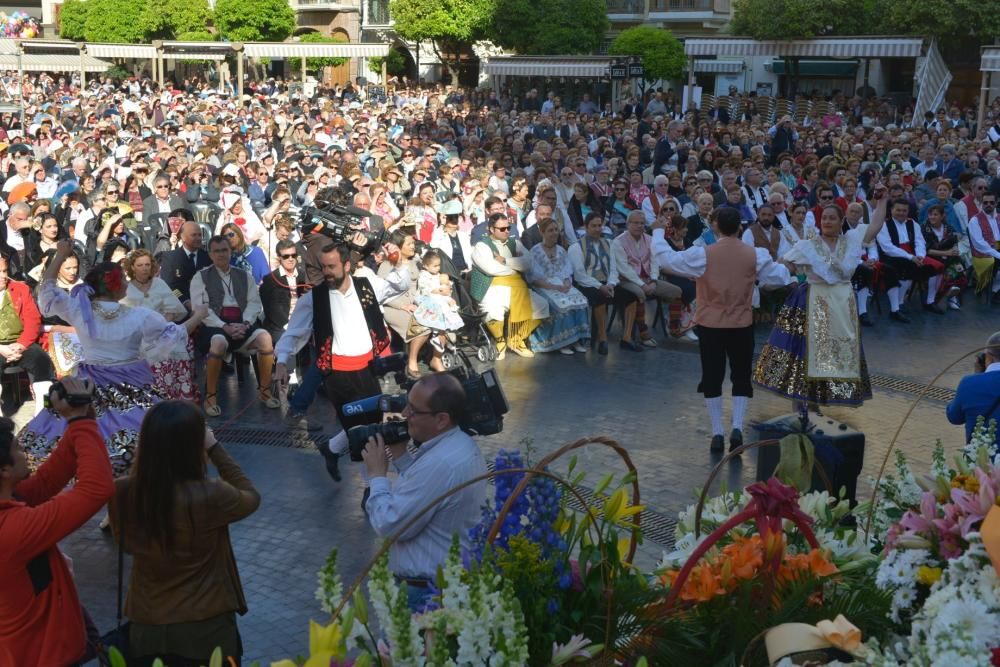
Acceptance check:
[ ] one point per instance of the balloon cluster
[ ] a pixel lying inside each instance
(18, 25)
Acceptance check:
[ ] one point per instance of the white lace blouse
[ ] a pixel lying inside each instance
(112, 333)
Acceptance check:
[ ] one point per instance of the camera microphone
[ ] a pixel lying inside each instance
(363, 405)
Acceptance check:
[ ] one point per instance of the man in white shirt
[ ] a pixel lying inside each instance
(659, 196)
(22, 165)
(350, 332)
(232, 323)
(984, 235)
(443, 458)
(755, 190)
(904, 252)
(864, 275)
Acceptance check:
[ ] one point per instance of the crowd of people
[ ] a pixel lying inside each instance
(144, 230)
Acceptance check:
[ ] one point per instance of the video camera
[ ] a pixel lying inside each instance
(340, 224)
(485, 406)
(59, 389)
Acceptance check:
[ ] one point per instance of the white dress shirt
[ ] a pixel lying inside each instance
(783, 246)
(692, 263)
(979, 241)
(351, 337)
(438, 465)
(892, 250)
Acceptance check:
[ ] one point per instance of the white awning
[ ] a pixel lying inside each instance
(933, 79)
(991, 59)
(592, 67)
(195, 50)
(138, 51)
(718, 66)
(54, 63)
(820, 47)
(314, 50)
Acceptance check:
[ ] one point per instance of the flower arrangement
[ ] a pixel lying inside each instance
(952, 505)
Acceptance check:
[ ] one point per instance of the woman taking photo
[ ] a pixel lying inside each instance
(184, 590)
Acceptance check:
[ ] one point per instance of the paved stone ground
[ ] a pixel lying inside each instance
(645, 401)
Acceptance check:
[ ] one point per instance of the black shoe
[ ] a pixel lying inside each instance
(865, 320)
(630, 345)
(899, 317)
(934, 308)
(995, 299)
(735, 439)
(364, 498)
(718, 444)
(602, 348)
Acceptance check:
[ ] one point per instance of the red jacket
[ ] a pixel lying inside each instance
(27, 312)
(41, 620)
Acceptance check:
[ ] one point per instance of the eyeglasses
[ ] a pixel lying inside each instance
(413, 411)
(292, 256)
(163, 187)
(823, 197)
(501, 229)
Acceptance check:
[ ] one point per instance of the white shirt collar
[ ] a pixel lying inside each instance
(995, 366)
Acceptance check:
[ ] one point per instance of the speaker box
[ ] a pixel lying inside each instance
(839, 449)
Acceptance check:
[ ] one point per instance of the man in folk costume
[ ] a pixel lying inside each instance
(764, 234)
(903, 249)
(639, 271)
(984, 234)
(498, 286)
(725, 272)
(968, 208)
(344, 317)
(869, 271)
(232, 323)
(755, 190)
(657, 198)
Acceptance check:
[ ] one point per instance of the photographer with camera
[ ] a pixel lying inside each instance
(41, 619)
(979, 394)
(444, 457)
(344, 316)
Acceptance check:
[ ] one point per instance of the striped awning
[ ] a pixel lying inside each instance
(718, 66)
(933, 78)
(281, 50)
(54, 63)
(587, 67)
(138, 51)
(991, 59)
(820, 47)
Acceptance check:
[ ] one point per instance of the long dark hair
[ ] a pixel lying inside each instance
(170, 452)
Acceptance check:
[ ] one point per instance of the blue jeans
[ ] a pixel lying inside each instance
(306, 391)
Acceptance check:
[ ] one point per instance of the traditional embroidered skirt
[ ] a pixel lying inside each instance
(174, 377)
(568, 321)
(837, 375)
(123, 394)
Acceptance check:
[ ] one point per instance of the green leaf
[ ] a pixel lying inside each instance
(528, 27)
(254, 20)
(603, 484)
(216, 659)
(116, 658)
(360, 606)
(662, 53)
(158, 663)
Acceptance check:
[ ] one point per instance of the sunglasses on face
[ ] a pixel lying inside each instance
(292, 256)
(501, 229)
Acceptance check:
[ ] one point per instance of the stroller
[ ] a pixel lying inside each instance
(472, 339)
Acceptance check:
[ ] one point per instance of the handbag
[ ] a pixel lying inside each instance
(119, 637)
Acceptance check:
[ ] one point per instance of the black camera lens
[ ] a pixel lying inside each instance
(357, 436)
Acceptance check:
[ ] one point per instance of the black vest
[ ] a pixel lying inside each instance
(323, 322)
(890, 226)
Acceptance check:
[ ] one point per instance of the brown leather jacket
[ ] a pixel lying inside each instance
(198, 578)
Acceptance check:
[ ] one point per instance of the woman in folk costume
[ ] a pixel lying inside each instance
(498, 286)
(119, 342)
(814, 354)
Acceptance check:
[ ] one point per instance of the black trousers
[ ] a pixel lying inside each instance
(35, 363)
(904, 269)
(718, 345)
(346, 386)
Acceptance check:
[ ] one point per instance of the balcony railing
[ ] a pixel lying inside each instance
(378, 12)
(626, 6)
(681, 5)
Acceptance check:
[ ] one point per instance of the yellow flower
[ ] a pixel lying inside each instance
(617, 509)
(325, 643)
(928, 575)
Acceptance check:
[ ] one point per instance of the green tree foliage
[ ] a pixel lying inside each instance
(72, 19)
(317, 63)
(115, 21)
(796, 19)
(447, 24)
(951, 21)
(662, 53)
(168, 19)
(550, 27)
(395, 63)
(254, 20)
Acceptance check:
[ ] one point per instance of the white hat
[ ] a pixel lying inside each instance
(229, 199)
(231, 169)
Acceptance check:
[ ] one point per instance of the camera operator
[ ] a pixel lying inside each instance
(979, 394)
(349, 331)
(41, 620)
(444, 458)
